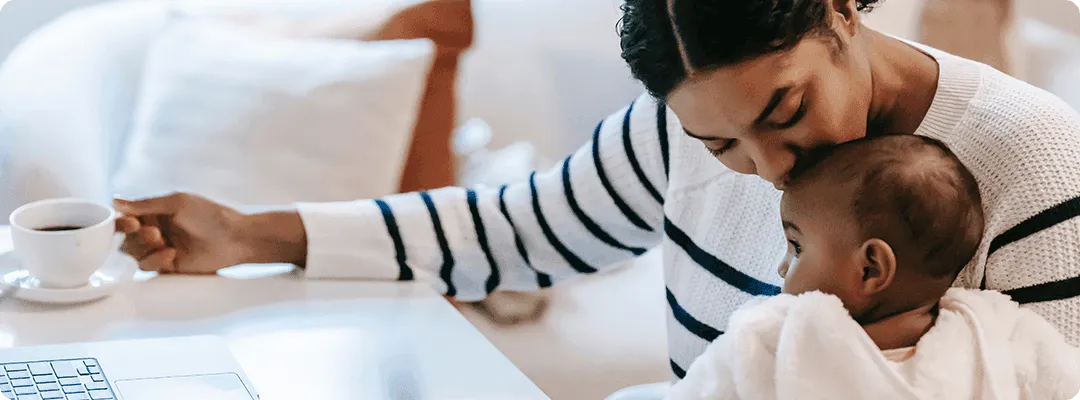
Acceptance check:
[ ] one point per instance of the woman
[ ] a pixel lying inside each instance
(756, 85)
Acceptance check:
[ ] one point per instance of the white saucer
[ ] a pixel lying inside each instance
(117, 269)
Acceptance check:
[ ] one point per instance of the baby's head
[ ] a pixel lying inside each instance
(883, 222)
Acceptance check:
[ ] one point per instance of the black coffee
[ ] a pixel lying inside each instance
(59, 228)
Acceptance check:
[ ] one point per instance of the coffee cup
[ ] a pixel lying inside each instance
(62, 242)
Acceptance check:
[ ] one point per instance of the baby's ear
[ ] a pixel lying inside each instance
(879, 266)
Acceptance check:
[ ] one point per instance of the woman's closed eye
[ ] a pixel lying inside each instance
(724, 146)
(794, 117)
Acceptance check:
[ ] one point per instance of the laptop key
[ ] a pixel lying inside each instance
(64, 369)
(39, 379)
(71, 389)
(78, 396)
(70, 381)
(5, 387)
(29, 397)
(19, 374)
(22, 382)
(25, 390)
(47, 386)
(51, 395)
(90, 362)
(40, 368)
(96, 386)
(82, 370)
(15, 367)
(100, 394)
(93, 369)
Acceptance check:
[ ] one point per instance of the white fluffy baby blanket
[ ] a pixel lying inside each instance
(807, 347)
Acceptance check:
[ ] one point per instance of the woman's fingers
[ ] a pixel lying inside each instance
(127, 224)
(151, 236)
(162, 261)
(165, 205)
(142, 243)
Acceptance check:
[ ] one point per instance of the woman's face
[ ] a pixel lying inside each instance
(764, 115)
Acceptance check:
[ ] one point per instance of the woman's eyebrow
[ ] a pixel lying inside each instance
(774, 102)
(699, 137)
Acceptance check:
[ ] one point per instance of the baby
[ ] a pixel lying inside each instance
(878, 230)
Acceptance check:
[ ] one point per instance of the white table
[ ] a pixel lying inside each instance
(295, 338)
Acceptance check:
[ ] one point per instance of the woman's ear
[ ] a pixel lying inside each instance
(848, 15)
(878, 266)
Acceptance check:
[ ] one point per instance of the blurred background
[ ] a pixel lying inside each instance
(107, 97)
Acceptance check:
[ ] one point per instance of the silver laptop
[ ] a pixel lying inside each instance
(199, 367)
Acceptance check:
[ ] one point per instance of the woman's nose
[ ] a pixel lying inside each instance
(774, 165)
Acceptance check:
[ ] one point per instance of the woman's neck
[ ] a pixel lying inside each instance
(904, 81)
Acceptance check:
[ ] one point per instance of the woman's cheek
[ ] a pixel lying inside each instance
(736, 161)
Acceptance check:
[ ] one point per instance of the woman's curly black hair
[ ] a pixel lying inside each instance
(714, 33)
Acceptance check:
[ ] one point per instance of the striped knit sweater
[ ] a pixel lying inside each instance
(642, 183)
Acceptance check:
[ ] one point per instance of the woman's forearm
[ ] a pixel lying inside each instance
(273, 237)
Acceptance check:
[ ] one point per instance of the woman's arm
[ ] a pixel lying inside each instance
(602, 205)
(1033, 220)
(1037, 263)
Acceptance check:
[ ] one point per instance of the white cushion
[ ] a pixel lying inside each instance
(250, 119)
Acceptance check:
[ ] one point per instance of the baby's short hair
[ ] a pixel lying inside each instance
(912, 192)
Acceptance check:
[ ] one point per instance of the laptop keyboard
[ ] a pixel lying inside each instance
(79, 379)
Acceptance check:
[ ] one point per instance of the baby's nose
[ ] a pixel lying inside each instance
(783, 267)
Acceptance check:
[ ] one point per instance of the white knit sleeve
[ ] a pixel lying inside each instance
(1034, 221)
(601, 205)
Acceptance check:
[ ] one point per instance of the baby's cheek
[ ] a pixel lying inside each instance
(794, 282)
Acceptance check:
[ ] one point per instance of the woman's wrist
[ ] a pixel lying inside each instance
(273, 237)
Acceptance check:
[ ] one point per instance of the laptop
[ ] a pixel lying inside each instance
(198, 367)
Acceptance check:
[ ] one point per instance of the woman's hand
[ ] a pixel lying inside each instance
(185, 233)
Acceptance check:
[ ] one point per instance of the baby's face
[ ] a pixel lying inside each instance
(823, 244)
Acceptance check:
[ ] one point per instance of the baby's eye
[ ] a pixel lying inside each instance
(795, 247)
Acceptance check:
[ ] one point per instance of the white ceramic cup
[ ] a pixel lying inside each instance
(63, 258)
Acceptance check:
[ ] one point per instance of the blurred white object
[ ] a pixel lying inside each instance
(6, 136)
(72, 118)
(245, 118)
(480, 166)
(654, 391)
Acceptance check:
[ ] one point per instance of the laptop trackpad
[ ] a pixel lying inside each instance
(208, 387)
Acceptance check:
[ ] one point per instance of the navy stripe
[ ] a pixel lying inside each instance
(661, 127)
(688, 321)
(440, 236)
(585, 220)
(1042, 221)
(717, 267)
(628, 145)
(679, 372)
(404, 272)
(576, 263)
(481, 236)
(1050, 291)
(543, 280)
(600, 173)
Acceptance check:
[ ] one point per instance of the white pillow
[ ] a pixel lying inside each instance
(251, 119)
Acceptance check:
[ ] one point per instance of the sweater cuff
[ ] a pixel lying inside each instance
(347, 240)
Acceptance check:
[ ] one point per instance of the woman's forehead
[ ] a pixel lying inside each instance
(730, 98)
